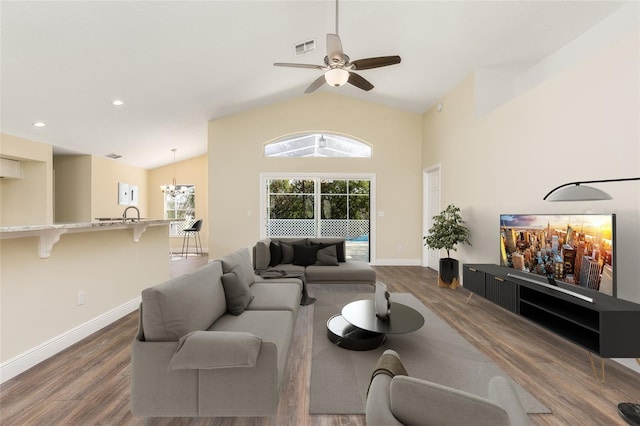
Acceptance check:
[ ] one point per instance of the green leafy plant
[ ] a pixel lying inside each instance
(448, 230)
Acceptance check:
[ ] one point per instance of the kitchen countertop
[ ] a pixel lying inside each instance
(84, 225)
(50, 234)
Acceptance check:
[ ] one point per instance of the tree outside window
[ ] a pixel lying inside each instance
(180, 209)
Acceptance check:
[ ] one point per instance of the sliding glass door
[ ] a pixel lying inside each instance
(321, 207)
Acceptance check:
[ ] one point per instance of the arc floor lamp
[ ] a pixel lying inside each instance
(576, 191)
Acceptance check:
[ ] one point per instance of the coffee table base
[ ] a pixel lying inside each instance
(347, 336)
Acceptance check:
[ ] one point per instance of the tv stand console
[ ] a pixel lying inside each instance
(602, 324)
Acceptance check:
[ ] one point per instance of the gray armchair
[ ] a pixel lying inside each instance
(394, 398)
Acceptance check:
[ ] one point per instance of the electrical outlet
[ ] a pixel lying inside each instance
(80, 298)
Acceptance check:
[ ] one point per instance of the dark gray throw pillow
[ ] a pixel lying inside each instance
(287, 249)
(304, 255)
(237, 293)
(276, 253)
(327, 256)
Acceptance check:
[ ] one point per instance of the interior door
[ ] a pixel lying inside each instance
(431, 207)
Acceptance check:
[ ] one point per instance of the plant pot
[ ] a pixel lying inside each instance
(448, 273)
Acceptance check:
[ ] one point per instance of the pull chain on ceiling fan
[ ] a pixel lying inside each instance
(339, 69)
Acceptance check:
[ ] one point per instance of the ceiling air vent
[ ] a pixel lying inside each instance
(114, 156)
(305, 47)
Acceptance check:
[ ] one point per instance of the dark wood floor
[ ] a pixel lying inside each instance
(88, 384)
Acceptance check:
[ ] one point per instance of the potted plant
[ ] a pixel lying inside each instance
(447, 232)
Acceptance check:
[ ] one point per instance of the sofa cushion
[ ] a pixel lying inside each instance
(280, 296)
(237, 293)
(327, 256)
(304, 255)
(353, 271)
(262, 254)
(239, 262)
(271, 326)
(206, 350)
(276, 253)
(184, 304)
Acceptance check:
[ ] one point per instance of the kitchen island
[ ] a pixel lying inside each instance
(61, 282)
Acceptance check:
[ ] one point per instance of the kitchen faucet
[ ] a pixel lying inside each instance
(124, 214)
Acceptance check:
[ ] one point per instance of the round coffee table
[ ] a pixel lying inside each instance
(358, 328)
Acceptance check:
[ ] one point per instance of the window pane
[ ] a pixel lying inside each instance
(317, 145)
(334, 207)
(359, 207)
(180, 207)
(359, 187)
(333, 187)
(291, 186)
(291, 206)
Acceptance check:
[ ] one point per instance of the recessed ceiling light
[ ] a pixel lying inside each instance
(117, 102)
(39, 124)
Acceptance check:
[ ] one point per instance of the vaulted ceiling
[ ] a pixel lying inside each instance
(178, 64)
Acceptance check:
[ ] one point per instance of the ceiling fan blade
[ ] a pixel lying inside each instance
(285, 64)
(359, 81)
(381, 61)
(315, 85)
(334, 48)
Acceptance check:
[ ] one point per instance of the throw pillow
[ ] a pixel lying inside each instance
(237, 293)
(304, 255)
(206, 350)
(287, 249)
(276, 253)
(327, 256)
(262, 254)
(340, 252)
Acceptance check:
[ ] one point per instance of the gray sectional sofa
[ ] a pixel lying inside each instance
(213, 342)
(320, 260)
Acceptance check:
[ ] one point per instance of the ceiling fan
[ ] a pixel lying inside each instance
(338, 67)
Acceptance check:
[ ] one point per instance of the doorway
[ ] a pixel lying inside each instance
(430, 208)
(321, 206)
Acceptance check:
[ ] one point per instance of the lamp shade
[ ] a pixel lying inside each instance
(336, 77)
(578, 193)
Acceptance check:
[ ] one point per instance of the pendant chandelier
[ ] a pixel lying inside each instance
(172, 189)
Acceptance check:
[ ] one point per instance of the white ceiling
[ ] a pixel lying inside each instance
(179, 64)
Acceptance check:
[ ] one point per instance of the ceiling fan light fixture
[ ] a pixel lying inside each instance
(336, 77)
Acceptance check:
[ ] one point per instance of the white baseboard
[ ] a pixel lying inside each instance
(396, 262)
(629, 363)
(36, 355)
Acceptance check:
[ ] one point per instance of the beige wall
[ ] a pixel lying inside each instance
(236, 161)
(87, 188)
(105, 175)
(39, 296)
(193, 171)
(581, 124)
(72, 188)
(27, 201)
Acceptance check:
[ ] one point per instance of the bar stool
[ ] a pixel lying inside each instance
(195, 230)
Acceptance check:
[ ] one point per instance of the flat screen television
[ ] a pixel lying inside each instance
(577, 249)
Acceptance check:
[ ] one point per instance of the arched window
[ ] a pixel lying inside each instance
(317, 145)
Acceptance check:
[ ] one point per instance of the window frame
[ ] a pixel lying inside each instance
(316, 150)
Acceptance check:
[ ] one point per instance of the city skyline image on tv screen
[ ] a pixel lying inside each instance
(576, 249)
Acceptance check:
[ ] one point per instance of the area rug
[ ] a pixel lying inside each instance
(436, 352)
